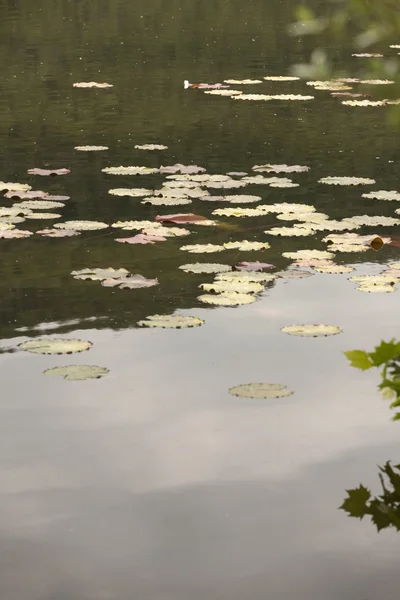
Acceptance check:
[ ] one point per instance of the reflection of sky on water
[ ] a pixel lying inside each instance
(154, 481)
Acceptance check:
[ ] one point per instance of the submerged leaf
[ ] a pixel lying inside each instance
(260, 390)
(78, 372)
(55, 346)
(175, 321)
(312, 330)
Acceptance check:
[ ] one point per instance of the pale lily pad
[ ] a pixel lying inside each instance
(14, 187)
(179, 218)
(274, 97)
(100, 274)
(284, 184)
(91, 148)
(307, 217)
(347, 180)
(132, 192)
(12, 220)
(290, 231)
(151, 147)
(175, 201)
(244, 287)
(242, 81)
(224, 92)
(246, 246)
(238, 212)
(268, 168)
(15, 233)
(78, 372)
(366, 220)
(39, 204)
(377, 81)
(246, 276)
(332, 225)
(312, 330)
(260, 390)
(242, 199)
(288, 208)
(313, 262)
(141, 238)
(375, 279)
(91, 84)
(183, 169)
(58, 233)
(200, 179)
(333, 269)
(376, 288)
(42, 215)
(81, 225)
(308, 254)
(158, 229)
(343, 241)
(129, 170)
(13, 211)
(364, 103)
(293, 274)
(205, 268)
(130, 225)
(191, 192)
(175, 321)
(200, 248)
(383, 195)
(55, 346)
(131, 282)
(26, 195)
(253, 266)
(6, 226)
(261, 180)
(226, 185)
(48, 172)
(177, 183)
(227, 299)
(280, 78)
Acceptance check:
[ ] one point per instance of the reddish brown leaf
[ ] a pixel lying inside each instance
(253, 266)
(180, 218)
(141, 238)
(48, 171)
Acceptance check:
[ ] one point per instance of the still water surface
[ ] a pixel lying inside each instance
(153, 482)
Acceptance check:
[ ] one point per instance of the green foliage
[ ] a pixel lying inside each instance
(383, 509)
(386, 355)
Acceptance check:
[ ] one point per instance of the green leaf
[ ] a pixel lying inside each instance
(379, 515)
(356, 502)
(359, 359)
(303, 13)
(385, 352)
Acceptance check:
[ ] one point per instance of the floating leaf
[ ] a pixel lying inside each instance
(91, 148)
(81, 225)
(132, 282)
(39, 204)
(227, 299)
(242, 81)
(260, 390)
(237, 174)
(6, 226)
(333, 269)
(224, 92)
(167, 201)
(175, 321)
(312, 330)
(205, 268)
(268, 168)
(204, 86)
(132, 192)
(192, 192)
(374, 221)
(200, 248)
(245, 276)
(313, 262)
(141, 239)
(383, 195)
(245, 245)
(290, 231)
(184, 169)
(26, 195)
(375, 279)
(328, 85)
(181, 218)
(376, 288)
(14, 187)
(308, 217)
(377, 81)
(352, 242)
(308, 254)
(52, 172)
(226, 185)
(280, 78)
(244, 287)
(261, 180)
(151, 147)
(55, 346)
(100, 274)
(91, 84)
(238, 212)
(14, 233)
(346, 180)
(129, 170)
(242, 199)
(199, 179)
(14, 211)
(39, 215)
(365, 103)
(129, 225)
(293, 274)
(253, 266)
(58, 233)
(157, 229)
(13, 220)
(78, 372)
(367, 55)
(275, 97)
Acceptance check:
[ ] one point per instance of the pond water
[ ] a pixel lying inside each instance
(154, 482)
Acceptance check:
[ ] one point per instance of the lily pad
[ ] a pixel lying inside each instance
(91, 148)
(55, 346)
(58, 233)
(261, 180)
(81, 225)
(274, 97)
(132, 192)
(268, 168)
(346, 180)
(180, 218)
(157, 229)
(175, 321)
(47, 172)
(26, 195)
(376, 288)
(260, 390)
(131, 282)
(226, 185)
(244, 287)
(100, 274)
(366, 220)
(205, 268)
(312, 330)
(241, 199)
(242, 81)
(129, 170)
(238, 212)
(202, 248)
(246, 276)
(91, 84)
(383, 195)
(364, 103)
(14, 187)
(42, 215)
(183, 169)
(140, 238)
(129, 225)
(78, 372)
(246, 246)
(293, 274)
(290, 231)
(333, 269)
(253, 266)
(308, 254)
(224, 92)
(280, 78)
(151, 147)
(6, 226)
(15, 233)
(175, 201)
(39, 204)
(227, 299)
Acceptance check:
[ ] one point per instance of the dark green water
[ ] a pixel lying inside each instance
(154, 483)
